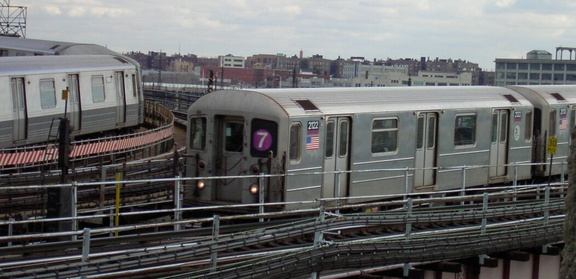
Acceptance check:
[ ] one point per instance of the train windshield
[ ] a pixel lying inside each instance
(234, 136)
(197, 133)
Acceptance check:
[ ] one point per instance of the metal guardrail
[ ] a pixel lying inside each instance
(467, 240)
(460, 195)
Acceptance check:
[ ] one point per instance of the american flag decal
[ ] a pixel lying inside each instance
(563, 125)
(312, 143)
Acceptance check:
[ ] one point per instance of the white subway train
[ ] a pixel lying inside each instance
(104, 93)
(426, 129)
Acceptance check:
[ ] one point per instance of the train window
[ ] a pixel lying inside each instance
(98, 94)
(329, 139)
(234, 136)
(384, 135)
(465, 130)
(295, 135)
(528, 127)
(552, 124)
(197, 133)
(264, 138)
(47, 94)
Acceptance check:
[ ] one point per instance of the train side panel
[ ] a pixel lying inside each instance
(349, 143)
(103, 94)
(305, 158)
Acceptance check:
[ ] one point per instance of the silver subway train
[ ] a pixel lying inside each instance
(104, 93)
(429, 130)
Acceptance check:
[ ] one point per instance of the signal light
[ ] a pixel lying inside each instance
(210, 81)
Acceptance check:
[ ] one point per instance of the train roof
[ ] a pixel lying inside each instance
(548, 94)
(364, 100)
(21, 65)
(46, 47)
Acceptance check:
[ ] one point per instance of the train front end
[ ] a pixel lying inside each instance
(233, 148)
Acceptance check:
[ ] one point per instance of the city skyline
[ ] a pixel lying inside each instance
(476, 31)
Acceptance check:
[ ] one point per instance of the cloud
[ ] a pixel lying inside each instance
(505, 3)
(52, 10)
(474, 30)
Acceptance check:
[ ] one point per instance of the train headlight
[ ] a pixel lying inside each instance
(253, 189)
(200, 184)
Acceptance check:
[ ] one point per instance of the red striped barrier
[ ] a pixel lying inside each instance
(39, 154)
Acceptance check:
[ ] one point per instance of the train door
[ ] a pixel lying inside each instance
(337, 157)
(19, 128)
(426, 149)
(499, 145)
(120, 98)
(74, 110)
(229, 154)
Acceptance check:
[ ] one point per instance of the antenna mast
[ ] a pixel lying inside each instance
(12, 20)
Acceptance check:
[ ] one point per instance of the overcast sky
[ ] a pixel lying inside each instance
(475, 30)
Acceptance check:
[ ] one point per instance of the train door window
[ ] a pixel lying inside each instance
(465, 130)
(385, 135)
(504, 127)
(134, 86)
(420, 133)
(295, 146)
(264, 138)
(197, 131)
(431, 131)
(20, 124)
(494, 127)
(98, 94)
(47, 94)
(18, 94)
(234, 137)
(528, 126)
(329, 152)
(552, 123)
(343, 140)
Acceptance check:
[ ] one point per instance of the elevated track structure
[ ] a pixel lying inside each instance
(325, 239)
(145, 142)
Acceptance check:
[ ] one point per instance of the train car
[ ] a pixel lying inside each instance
(554, 116)
(104, 93)
(419, 132)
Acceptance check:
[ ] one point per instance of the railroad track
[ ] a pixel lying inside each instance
(297, 248)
